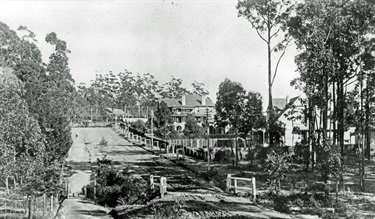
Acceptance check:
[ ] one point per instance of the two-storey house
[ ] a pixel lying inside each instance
(200, 106)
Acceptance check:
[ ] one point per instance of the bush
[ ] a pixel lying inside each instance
(139, 125)
(277, 166)
(103, 142)
(210, 174)
(223, 155)
(176, 210)
(115, 187)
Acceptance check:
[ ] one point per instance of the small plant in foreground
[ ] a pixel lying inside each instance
(277, 167)
(175, 210)
(103, 142)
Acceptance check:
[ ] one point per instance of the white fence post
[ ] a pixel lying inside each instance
(229, 182)
(235, 185)
(152, 182)
(254, 191)
(51, 203)
(163, 186)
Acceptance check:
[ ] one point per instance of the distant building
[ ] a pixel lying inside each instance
(196, 105)
(289, 111)
(295, 129)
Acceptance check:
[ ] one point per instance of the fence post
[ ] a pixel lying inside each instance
(163, 186)
(51, 205)
(67, 189)
(30, 215)
(152, 182)
(85, 191)
(254, 188)
(229, 182)
(235, 185)
(44, 203)
(95, 189)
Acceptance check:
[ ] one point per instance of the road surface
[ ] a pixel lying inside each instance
(181, 182)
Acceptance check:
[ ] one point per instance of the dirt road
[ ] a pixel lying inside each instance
(181, 182)
(79, 159)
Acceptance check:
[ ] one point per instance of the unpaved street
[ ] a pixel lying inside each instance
(181, 182)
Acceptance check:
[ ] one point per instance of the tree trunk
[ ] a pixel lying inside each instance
(236, 148)
(310, 113)
(270, 105)
(334, 134)
(362, 166)
(340, 109)
(367, 122)
(7, 184)
(325, 108)
(15, 182)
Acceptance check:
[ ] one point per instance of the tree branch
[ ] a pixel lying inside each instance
(253, 25)
(274, 34)
(277, 66)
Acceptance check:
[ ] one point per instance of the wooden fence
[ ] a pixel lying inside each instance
(28, 207)
(235, 186)
(162, 184)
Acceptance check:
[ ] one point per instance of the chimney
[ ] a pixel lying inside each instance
(183, 100)
(287, 99)
(203, 100)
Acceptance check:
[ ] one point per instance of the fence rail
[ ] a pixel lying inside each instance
(40, 207)
(162, 184)
(235, 186)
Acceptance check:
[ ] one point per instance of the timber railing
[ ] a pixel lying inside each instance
(159, 181)
(234, 186)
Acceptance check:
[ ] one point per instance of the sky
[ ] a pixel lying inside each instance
(202, 41)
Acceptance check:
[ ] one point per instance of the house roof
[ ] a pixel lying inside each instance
(115, 111)
(286, 106)
(192, 100)
(279, 103)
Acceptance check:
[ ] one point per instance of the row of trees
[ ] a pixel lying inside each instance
(336, 65)
(36, 107)
(335, 40)
(126, 90)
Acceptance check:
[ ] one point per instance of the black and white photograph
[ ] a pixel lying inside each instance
(187, 109)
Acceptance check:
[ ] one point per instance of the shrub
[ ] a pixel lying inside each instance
(210, 174)
(139, 125)
(176, 210)
(103, 142)
(223, 155)
(277, 164)
(115, 187)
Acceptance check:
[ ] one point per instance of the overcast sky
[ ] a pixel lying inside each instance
(193, 40)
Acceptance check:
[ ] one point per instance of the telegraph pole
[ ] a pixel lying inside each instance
(152, 128)
(208, 141)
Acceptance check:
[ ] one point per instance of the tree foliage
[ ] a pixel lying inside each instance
(269, 18)
(173, 89)
(192, 129)
(36, 105)
(331, 37)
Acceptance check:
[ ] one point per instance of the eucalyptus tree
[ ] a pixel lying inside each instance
(21, 140)
(330, 36)
(40, 112)
(198, 88)
(173, 89)
(269, 18)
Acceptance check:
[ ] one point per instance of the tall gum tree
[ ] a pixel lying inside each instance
(330, 36)
(268, 18)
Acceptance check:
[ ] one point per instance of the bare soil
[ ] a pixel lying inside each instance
(181, 182)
